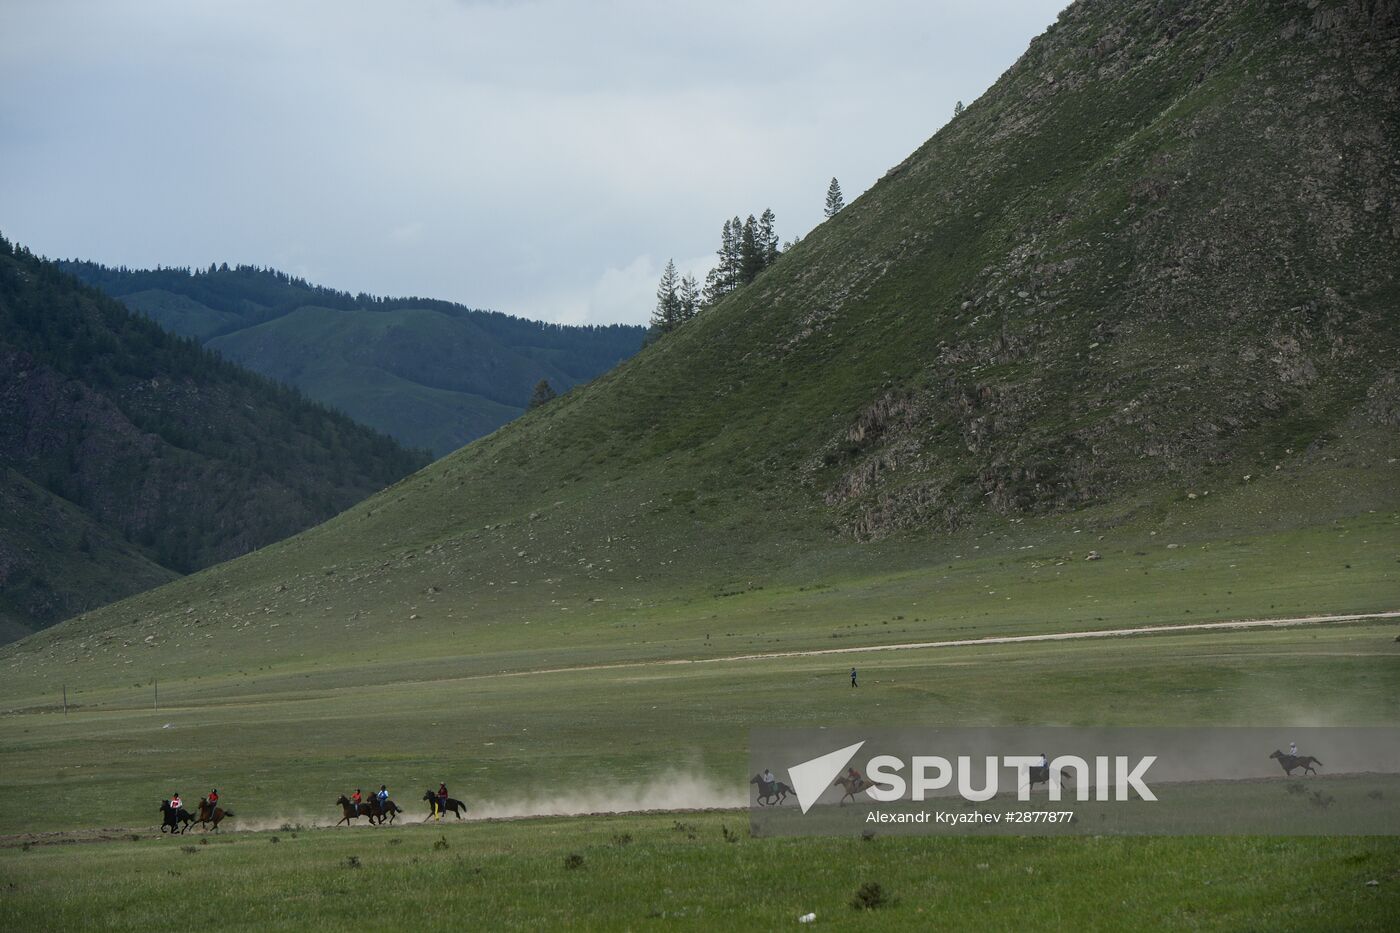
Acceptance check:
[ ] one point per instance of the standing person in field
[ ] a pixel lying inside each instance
(441, 800)
(853, 678)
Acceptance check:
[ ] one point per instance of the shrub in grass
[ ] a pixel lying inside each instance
(573, 860)
(189, 850)
(871, 896)
(729, 835)
(441, 844)
(352, 862)
(274, 839)
(622, 839)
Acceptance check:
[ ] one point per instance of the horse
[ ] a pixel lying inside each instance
(1290, 762)
(1040, 774)
(208, 814)
(384, 809)
(851, 786)
(353, 811)
(453, 804)
(770, 794)
(174, 818)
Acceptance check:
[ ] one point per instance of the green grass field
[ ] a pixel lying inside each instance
(679, 872)
(538, 702)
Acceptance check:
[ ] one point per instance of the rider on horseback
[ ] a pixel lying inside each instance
(768, 777)
(213, 799)
(175, 802)
(854, 775)
(382, 794)
(441, 799)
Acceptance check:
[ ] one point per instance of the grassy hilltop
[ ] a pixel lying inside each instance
(1139, 300)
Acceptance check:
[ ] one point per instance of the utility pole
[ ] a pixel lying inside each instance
(155, 701)
(65, 699)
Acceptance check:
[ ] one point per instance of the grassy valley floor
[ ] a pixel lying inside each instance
(691, 871)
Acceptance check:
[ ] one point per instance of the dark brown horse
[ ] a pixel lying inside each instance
(176, 820)
(210, 815)
(770, 794)
(383, 809)
(1040, 774)
(353, 811)
(453, 804)
(851, 786)
(1290, 763)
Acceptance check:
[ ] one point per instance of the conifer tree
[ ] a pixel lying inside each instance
(667, 315)
(714, 290)
(689, 298)
(543, 393)
(834, 200)
(768, 237)
(750, 252)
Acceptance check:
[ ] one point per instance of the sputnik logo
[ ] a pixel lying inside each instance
(811, 778)
(885, 782)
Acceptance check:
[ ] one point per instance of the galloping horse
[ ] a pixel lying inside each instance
(353, 811)
(851, 786)
(208, 814)
(384, 809)
(1290, 762)
(174, 818)
(1040, 774)
(770, 795)
(453, 804)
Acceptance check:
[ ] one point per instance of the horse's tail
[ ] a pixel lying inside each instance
(1317, 761)
(228, 813)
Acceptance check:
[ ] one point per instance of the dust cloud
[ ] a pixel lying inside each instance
(675, 790)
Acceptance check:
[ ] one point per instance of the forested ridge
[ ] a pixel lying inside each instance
(120, 439)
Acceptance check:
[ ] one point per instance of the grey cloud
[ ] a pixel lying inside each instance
(542, 158)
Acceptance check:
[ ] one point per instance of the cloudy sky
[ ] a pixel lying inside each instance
(539, 157)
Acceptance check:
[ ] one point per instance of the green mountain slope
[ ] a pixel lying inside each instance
(431, 374)
(130, 455)
(404, 371)
(41, 529)
(1145, 289)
